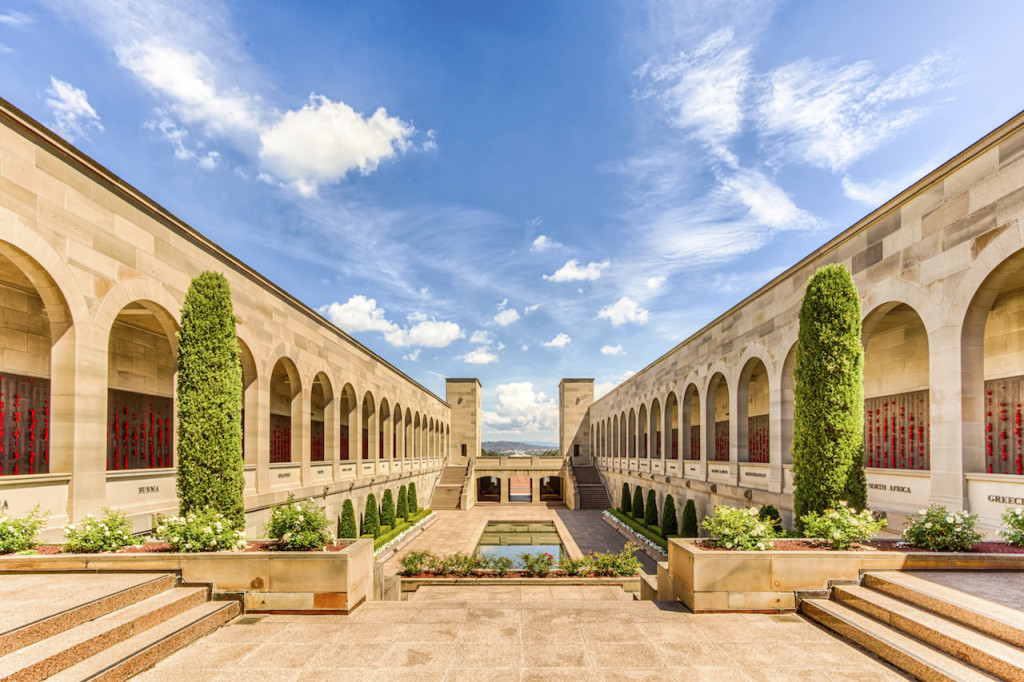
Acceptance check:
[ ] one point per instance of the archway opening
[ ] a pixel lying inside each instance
(632, 433)
(488, 489)
(384, 443)
(347, 405)
(656, 429)
(752, 403)
(284, 388)
(718, 425)
(641, 423)
(551, 489)
(368, 418)
(691, 423)
(520, 489)
(250, 427)
(320, 408)
(672, 425)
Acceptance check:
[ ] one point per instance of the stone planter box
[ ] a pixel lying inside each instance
(267, 582)
(714, 581)
(629, 584)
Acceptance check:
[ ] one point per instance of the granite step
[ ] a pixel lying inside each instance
(142, 651)
(904, 652)
(68, 647)
(51, 624)
(981, 614)
(974, 648)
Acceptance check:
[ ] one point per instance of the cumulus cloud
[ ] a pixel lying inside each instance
(624, 310)
(543, 242)
(73, 116)
(479, 356)
(483, 337)
(602, 388)
(413, 356)
(654, 283)
(360, 313)
(506, 317)
(530, 308)
(572, 271)
(520, 409)
(611, 350)
(559, 341)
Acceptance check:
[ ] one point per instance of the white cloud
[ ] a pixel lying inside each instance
(654, 283)
(572, 271)
(521, 410)
(525, 347)
(483, 337)
(183, 149)
(324, 140)
(624, 310)
(413, 356)
(879, 191)
(360, 313)
(543, 242)
(506, 317)
(767, 203)
(73, 116)
(530, 308)
(15, 19)
(611, 350)
(479, 356)
(602, 388)
(559, 341)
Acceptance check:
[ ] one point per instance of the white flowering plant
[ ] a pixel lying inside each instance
(18, 533)
(201, 530)
(1013, 519)
(841, 526)
(735, 528)
(298, 525)
(940, 530)
(107, 534)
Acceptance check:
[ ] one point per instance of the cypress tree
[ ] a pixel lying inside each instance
(347, 523)
(669, 522)
(638, 504)
(828, 399)
(387, 509)
(627, 504)
(414, 506)
(209, 393)
(689, 529)
(651, 510)
(402, 506)
(770, 514)
(371, 521)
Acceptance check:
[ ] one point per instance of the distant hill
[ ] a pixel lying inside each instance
(502, 445)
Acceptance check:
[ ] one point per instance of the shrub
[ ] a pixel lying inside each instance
(842, 526)
(771, 515)
(1013, 518)
(651, 510)
(638, 504)
(18, 533)
(627, 503)
(940, 530)
(347, 522)
(402, 505)
(371, 522)
(412, 503)
(828, 407)
(689, 529)
(621, 564)
(501, 565)
(459, 564)
(415, 562)
(734, 528)
(537, 565)
(298, 525)
(387, 510)
(108, 534)
(669, 522)
(209, 404)
(200, 530)
(651, 534)
(575, 567)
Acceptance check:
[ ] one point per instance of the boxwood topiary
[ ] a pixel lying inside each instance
(402, 505)
(669, 522)
(651, 510)
(412, 503)
(627, 503)
(347, 522)
(638, 504)
(387, 509)
(371, 521)
(689, 529)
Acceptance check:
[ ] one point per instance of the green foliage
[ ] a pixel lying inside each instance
(18, 533)
(387, 536)
(458, 564)
(575, 567)
(638, 504)
(371, 521)
(627, 502)
(772, 516)
(387, 509)
(537, 565)
(1013, 519)
(412, 503)
(347, 522)
(654, 535)
(651, 510)
(940, 530)
(856, 492)
(613, 565)
(501, 565)
(669, 522)
(689, 529)
(415, 562)
(842, 526)
(209, 401)
(402, 505)
(108, 534)
(200, 530)
(735, 528)
(298, 525)
(828, 426)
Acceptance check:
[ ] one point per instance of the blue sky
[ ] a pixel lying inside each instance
(517, 191)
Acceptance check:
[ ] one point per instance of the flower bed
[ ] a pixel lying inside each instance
(644, 535)
(166, 547)
(395, 536)
(816, 545)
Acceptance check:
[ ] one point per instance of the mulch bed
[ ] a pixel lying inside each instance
(798, 545)
(164, 548)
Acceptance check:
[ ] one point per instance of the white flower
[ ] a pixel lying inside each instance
(927, 525)
(922, 512)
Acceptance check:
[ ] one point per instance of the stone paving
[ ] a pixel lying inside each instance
(1002, 587)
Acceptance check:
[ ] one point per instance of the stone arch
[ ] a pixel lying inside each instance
(717, 421)
(348, 410)
(623, 437)
(323, 418)
(418, 435)
(787, 385)
(286, 413)
(407, 439)
(397, 431)
(672, 425)
(692, 412)
(655, 429)
(250, 400)
(643, 433)
(631, 426)
(368, 424)
(146, 293)
(752, 408)
(384, 431)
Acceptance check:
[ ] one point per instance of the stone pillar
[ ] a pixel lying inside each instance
(951, 399)
(535, 489)
(300, 432)
(464, 398)
(775, 457)
(503, 485)
(575, 396)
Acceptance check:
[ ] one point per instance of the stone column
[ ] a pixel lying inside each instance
(951, 399)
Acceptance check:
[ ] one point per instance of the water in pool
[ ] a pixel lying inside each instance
(512, 538)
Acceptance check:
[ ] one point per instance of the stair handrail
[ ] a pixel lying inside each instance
(572, 491)
(468, 490)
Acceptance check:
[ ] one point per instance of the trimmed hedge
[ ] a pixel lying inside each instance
(412, 503)
(653, 535)
(627, 503)
(403, 526)
(402, 505)
(651, 510)
(347, 521)
(689, 529)
(828, 398)
(209, 402)
(669, 522)
(371, 521)
(387, 509)
(638, 504)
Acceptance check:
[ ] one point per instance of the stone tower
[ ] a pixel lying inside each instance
(463, 395)
(574, 399)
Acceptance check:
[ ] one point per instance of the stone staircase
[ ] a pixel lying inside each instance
(73, 630)
(928, 630)
(448, 492)
(590, 487)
